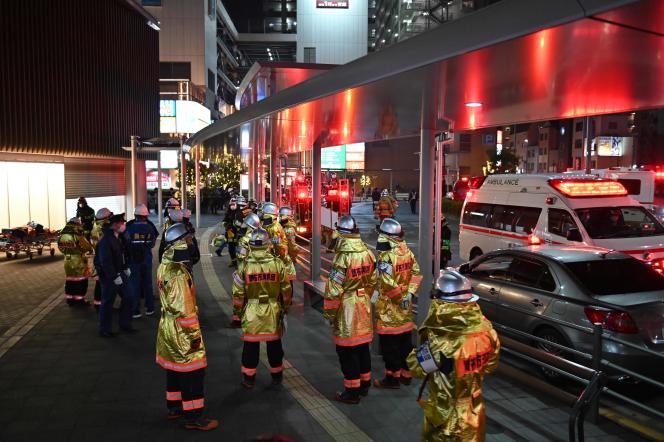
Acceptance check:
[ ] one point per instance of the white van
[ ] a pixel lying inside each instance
(640, 184)
(507, 211)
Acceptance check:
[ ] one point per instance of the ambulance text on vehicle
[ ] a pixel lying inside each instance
(507, 211)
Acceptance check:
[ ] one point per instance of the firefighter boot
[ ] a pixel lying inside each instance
(202, 424)
(277, 378)
(175, 413)
(387, 382)
(248, 382)
(349, 396)
(364, 388)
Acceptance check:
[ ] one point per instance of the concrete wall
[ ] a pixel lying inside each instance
(401, 155)
(339, 35)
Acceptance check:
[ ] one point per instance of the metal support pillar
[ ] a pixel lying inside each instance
(438, 207)
(275, 184)
(315, 210)
(586, 127)
(160, 210)
(427, 165)
(183, 174)
(198, 186)
(134, 146)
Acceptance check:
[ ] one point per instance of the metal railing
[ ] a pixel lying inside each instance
(305, 262)
(595, 360)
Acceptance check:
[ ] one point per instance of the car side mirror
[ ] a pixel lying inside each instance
(464, 269)
(574, 234)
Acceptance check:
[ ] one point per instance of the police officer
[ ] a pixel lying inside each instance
(288, 223)
(347, 307)
(458, 347)
(399, 278)
(86, 214)
(261, 297)
(271, 224)
(141, 236)
(112, 264)
(180, 347)
(233, 214)
(76, 249)
(101, 223)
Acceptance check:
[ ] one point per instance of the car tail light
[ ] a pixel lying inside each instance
(585, 188)
(612, 320)
(658, 265)
(534, 240)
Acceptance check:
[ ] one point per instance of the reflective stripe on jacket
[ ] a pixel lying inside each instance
(348, 291)
(76, 249)
(180, 344)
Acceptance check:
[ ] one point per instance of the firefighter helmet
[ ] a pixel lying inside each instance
(103, 214)
(141, 210)
(75, 220)
(175, 215)
(175, 232)
(252, 221)
(259, 238)
(270, 209)
(385, 192)
(186, 214)
(391, 227)
(285, 211)
(452, 286)
(172, 203)
(253, 205)
(347, 224)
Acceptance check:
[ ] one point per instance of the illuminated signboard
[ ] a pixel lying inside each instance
(166, 108)
(341, 4)
(333, 158)
(355, 156)
(182, 117)
(612, 146)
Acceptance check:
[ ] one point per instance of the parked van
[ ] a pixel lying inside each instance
(640, 184)
(507, 211)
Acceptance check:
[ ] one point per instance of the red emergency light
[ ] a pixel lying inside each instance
(534, 240)
(302, 195)
(580, 188)
(659, 175)
(344, 194)
(476, 182)
(658, 265)
(332, 192)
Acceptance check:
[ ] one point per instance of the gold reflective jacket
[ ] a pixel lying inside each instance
(280, 246)
(289, 230)
(243, 249)
(76, 249)
(180, 344)
(261, 295)
(398, 276)
(454, 410)
(95, 236)
(348, 292)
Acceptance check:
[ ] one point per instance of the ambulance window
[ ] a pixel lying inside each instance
(476, 214)
(502, 218)
(633, 186)
(527, 220)
(560, 221)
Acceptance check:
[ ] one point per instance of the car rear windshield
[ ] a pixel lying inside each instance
(616, 276)
(619, 222)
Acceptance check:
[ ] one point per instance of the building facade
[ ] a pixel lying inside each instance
(77, 80)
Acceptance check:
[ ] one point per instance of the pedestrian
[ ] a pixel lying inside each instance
(412, 200)
(399, 278)
(112, 264)
(180, 347)
(101, 223)
(446, 240)
(76, 249)
(347, 306)
(141, 235)
(261, 296)
(86, 214)
(458, 347)
(288, 223)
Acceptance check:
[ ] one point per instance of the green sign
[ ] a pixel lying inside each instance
(333, 158)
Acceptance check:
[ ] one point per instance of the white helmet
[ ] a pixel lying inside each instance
(175, 232)
(103, 214)
(347, 224)
(172, 203)
(186, 213)
(175, 215)
(285, 211)
(259, 238)
(270, 209)
(452, 286)
(252, 221)
(141, 210)
(391, 227)
(384, 192)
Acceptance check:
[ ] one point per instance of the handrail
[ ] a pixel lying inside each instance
(547, 342)
(587, 397)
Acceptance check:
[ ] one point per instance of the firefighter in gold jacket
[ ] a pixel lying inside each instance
(386, 206)
(180, 347)
(458, 348)
(261, 297)
(288, 223)
(347, 306)
(249, 225)
(101, 223)
(77, 250)
(399, 278)
(270, 218)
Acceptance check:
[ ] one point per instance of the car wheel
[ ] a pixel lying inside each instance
(552, 335)
(475, 253)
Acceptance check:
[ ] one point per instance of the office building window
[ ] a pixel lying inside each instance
(151, 2)
(310, 55)
(578, 144)
(578, 127)
(211, 81)
(464, 142)
(175, 70)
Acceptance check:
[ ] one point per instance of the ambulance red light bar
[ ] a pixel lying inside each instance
(476, 182)
(581, 188)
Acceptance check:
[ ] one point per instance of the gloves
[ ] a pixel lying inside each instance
(127, 272)
(118, 280)
(428, 362)
(407, 301)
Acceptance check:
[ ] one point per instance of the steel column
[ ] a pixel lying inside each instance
(198, 186)
(160, 210)
(134, 145)
(315, 210)
(275, 189)
(183, 174)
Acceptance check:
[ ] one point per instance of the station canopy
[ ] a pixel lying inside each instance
(513, 62)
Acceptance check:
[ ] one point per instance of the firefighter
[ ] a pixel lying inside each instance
(270, 220)
(233, 214)
(174, 217)
(112, 264)
(73, 244)
(141, 236)
(261, 296)
(347, 307)
(86, 214)
(458, 347)
(180, 347)
(101, 223)
(172, 203)
(288, 223)
(446, 239)
(386, 206)
(399, 278)
(249, 225)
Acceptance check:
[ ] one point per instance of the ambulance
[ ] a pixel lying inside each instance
(505, 211)
(640, 183)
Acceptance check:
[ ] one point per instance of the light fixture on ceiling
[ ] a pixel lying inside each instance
(473, 104)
